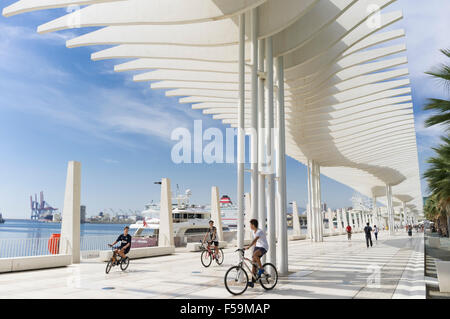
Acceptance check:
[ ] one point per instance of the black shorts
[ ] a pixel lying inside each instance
(213, 242)
(126, 251)
(261, 249)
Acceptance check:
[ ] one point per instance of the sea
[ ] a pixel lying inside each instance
(21, 229)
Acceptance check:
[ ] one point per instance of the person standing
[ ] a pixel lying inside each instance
(349, 232)
(375, 232)
(368, 232)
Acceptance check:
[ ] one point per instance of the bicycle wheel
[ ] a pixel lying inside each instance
(269, 278)
(206, 258)
(220, 256)
(124, 263)
(236, 280)
(108, 266)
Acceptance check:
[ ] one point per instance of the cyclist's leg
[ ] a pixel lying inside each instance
(216, 248)
(121, 253)
(115, 252)
(256, 259)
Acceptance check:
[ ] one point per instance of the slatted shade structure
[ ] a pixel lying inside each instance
(347, 100)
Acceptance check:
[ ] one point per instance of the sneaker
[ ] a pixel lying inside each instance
(251, 284)
(260, 272)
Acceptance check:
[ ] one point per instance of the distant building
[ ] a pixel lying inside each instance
(82, 214)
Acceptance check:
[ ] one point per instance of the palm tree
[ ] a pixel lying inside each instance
(439, 105)
(437, 207)
(438, 176)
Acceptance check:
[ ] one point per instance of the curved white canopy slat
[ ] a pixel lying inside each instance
(348, 100)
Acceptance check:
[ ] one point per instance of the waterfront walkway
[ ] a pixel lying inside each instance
(336, 268)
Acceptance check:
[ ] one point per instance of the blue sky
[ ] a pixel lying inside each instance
(57, 105)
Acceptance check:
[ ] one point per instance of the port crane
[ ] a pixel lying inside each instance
(40, 209)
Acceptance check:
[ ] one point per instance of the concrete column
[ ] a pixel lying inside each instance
(390, 212)
(330, 222)
(271, 218)
(241, 134)
(339, 221)
(254, 116)
(262, 215)
(281, 173)
(309, 218)
(247, 216)
(319, 202)
(165, 238)
(348, 218)
(375, 212)
(295, 219)
(70, 225)
(215, 212)
(405, 218)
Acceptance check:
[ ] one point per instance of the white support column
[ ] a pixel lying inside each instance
(241, 134)
(405, 219)
(215, 212)
(375, 212)
(315, 202)
(271, 226)
(254, 117)
(319, 203)
(165, 237)
(70, 225)
(296, 220)
(309, 215)
(330, 222)
(390, 212)
(262, 215)
(339, 221)
(247, 216)
(281, 173)
(346, 218)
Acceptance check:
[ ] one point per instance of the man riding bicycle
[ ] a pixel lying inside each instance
(212, 232)
(261, 247)
(125, 244)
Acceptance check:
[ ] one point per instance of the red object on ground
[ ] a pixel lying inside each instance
(53, 244)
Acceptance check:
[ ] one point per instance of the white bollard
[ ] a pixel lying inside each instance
(70, 226)
(165, 238)
(295, 219)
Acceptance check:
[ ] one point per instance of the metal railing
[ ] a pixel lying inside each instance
(90, 246)
(25, 247)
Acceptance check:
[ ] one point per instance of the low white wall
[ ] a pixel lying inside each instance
(443, 273)
(196, 246)
(134, 253)
(34, 262)
(434, 242)
(297, 237)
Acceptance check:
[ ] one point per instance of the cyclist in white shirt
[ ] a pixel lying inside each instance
(261, 246)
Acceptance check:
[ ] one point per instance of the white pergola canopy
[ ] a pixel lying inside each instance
(348, 101)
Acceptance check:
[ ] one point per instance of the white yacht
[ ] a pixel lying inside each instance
(228, 212)
(190, 223)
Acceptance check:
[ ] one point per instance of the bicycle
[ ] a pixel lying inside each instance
(117, 260)
(209, 254)
(236, 278)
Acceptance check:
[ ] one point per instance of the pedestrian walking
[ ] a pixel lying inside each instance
(349, 232)
(375, 232)
(368, 232)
